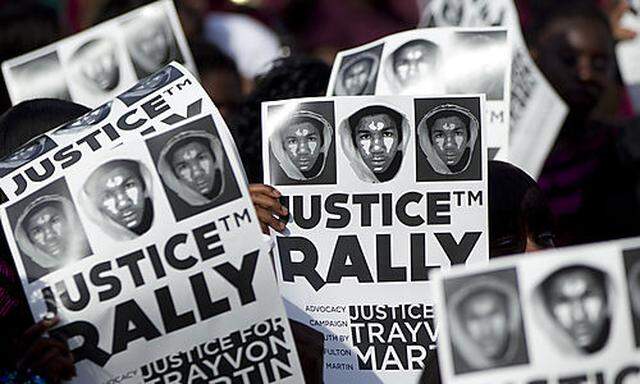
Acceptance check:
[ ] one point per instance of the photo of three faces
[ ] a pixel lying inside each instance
(375, 139)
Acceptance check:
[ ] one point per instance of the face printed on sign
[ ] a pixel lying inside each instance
(376, 137)
(47, 228)
(97, 63)
(578, 303)
(415, 60)
(302, 143)
(356, 76)
(195, 166)
(151, 45)
(118, 191)
(450, 136)
(485, 318)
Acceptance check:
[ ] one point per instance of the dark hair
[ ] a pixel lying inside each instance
(431, 121)
(545, 13)
(518, 210)
(306, 119)
(32, 118)
(125, 163)
(431, 48)
(209, 57)
(598, 274)
(186, 141)
(37, 209)
(372, 110)
(291, 77)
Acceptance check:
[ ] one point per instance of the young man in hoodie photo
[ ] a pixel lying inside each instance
(117, 196)
(577, 309)
(375, 140)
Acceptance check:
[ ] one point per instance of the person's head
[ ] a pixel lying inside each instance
(118, 190)
(97, 63)
(414, 59)
(48, 229)
(194, 164)
(519, 217)
(573, 45)
(377, 135)
(291, 77)
(356, 75)
(576, 298)
(219, 77)
(150, 43)
(484, 315)
(302, 141)
(32, 118)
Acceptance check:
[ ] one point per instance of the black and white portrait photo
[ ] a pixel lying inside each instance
(485, 320)
(448, 139)
(150, 42)
(95, 66)
(488, 53)
(574, 307)
(632, 267)
(415, 66)
(302, 143)
(375, 139)
(40, 77)
(194, 168)
(150, 84)
(358, 73)
(28, 152)
(117, 196)
(47, 230)
(85, 121)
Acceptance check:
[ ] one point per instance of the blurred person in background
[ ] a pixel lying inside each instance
(589, 186)
(519, 222)
(219, 77)
(288, 78)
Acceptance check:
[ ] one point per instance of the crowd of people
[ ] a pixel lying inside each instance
(588, 191)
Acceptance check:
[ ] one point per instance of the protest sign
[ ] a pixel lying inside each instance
(434, 62)
(380, 191)
(537, 112)
(96, 65)
(134, 224)
(570, 315)
(628, 53)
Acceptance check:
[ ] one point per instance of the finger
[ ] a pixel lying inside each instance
(264, 215)
(276, 224)
(264, 189)
(36, 331)
(623, 34)
(269, 203)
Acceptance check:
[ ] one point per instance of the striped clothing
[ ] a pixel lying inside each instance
(588, 187)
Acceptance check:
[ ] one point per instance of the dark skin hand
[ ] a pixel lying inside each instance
(265, 200)
(47, 357)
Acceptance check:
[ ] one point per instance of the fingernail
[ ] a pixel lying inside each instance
(276, 193)
(285, 211)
